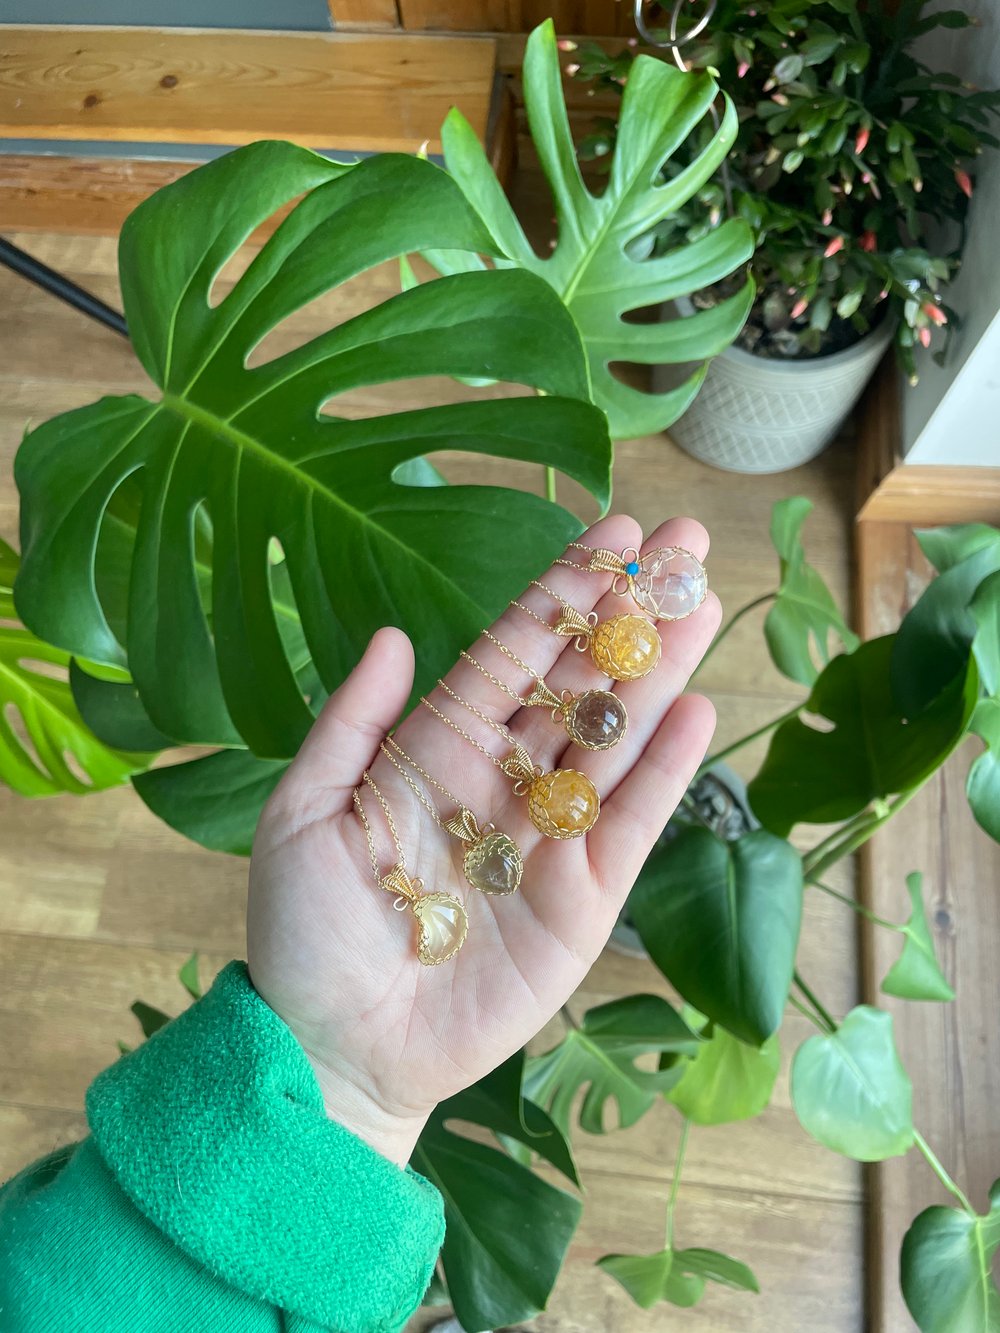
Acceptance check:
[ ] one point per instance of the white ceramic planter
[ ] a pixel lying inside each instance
(755, 414)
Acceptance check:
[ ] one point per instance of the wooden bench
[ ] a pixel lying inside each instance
(340, 92)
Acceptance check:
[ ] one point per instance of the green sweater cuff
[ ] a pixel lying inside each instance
(215, 1129)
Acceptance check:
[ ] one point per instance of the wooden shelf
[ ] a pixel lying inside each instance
(351, 91)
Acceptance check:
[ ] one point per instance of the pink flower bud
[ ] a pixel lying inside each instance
(861, 139)
(964, 181)
(925, 337)
(827, 216)
(564, 44)
(800, 307)
(572, 70)
(934, 313)
(869, 241)
(632, 41)
(742, 68)
(883, 293)
(780, 98)
(918, 185)
(835, 246)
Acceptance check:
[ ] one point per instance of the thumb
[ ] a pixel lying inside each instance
(345, 737)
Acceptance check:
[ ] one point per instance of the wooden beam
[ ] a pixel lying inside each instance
(364, 14)
(324, 90)
(88, 196)
(592, 17)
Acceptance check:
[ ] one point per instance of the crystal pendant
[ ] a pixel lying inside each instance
(441, 921)
(668, 583)
(597, 719)
(626, 647)
(563, 803)
(494, 864)
(492, 861)
(443, 927)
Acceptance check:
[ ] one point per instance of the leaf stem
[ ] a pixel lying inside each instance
(858, 907)
(828, 1022)
(675, 1183)
(731, 623)
(691, 806)
(746, 740)
(941, 1173)
(550, 484)
(858, 831)
(804, 1009)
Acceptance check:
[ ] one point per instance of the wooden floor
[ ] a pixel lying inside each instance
(100, 903)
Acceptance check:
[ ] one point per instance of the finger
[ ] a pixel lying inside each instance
(635, 815)
(344, 739)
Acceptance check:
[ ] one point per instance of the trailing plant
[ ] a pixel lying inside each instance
(853, 164)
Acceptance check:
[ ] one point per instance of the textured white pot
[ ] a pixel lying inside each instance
(755, 414)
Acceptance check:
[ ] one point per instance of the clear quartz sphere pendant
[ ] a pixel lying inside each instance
(668, 583)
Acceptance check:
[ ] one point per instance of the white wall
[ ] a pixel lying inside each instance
(953, 414)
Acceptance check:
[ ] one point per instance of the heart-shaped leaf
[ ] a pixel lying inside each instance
(871, 752)
(983, 785)
(45, 748)
(600, 1055)
(985, 610)
(949, 546)
(850, 1090)
(244, 452)
(676, 1276)
(593, 265)
(507, 1230)
(650, 1278)
(916, 974)
(215, 800)
(727, 1080)
(721, 922)
(804, 614)
(946, 1269)
(934, 639)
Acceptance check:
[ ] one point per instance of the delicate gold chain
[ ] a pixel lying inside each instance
(498, 727)
(368, 828)
(537, 583)
(575, 564)
(464, 734)
(421, 796)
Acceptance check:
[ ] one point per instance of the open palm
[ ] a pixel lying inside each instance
(390, 1038)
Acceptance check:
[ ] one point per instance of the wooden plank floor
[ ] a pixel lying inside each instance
(100, 903)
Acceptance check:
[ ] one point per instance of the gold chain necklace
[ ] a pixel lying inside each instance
(561, 804)
(626, 647)
(668, 583)
(492, 860)
(442, 924)
(595, 719)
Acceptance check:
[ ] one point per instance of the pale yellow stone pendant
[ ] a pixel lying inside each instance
(595, 719)
(442, 924)
(492, 862)
(668, 583)
(626, 647)
(561, 804)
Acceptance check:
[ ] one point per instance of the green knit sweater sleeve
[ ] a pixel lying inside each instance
(214, 1195)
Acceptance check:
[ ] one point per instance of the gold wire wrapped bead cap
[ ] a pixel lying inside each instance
(626, 647)
(563, 803)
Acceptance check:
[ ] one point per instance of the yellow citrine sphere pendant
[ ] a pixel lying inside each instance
(626, 647)
(561, 804)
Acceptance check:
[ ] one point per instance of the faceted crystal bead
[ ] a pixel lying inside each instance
(443, 926)
(563, 803)
(494, 864)
(670, 584)
(597, 720)
(625, 647)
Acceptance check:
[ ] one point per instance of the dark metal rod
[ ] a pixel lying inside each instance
(19, 261)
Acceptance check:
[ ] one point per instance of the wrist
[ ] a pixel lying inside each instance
(393, 1133)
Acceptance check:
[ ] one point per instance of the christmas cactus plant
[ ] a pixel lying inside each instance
(854, 165)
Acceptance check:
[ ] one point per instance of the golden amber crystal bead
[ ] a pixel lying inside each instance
(625, 647)
(563, 803)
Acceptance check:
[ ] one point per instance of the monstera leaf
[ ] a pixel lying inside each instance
(593, 266)
(51, 749)
(271, 540)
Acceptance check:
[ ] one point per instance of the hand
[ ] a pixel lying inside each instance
(388, 1037)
